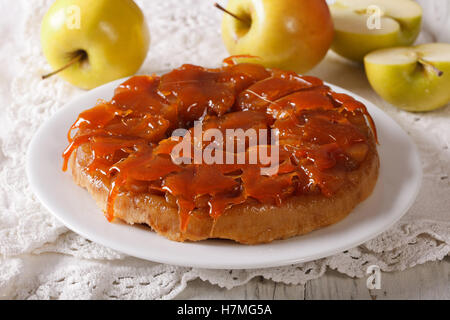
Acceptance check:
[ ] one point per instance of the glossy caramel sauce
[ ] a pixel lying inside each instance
(322, 136)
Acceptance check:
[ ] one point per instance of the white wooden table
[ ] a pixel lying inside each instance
(428, 281)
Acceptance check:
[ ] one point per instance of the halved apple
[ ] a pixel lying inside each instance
(412, 78)
(362, 26)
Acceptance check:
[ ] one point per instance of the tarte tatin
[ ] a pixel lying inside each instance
(121, 152)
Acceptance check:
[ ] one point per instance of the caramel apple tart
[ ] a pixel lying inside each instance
(122, 152)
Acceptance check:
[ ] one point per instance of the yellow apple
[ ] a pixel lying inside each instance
(287, 34)
(108, 39)
(362, 26)
(412, 78)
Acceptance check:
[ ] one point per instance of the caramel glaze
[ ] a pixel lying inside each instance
(322, 136)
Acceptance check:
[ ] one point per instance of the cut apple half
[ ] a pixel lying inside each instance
(362, 26)
(412, 78)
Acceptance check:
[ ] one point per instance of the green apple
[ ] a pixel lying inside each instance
(104, 39)
(362, 26)
(288, 34)
(412, 78)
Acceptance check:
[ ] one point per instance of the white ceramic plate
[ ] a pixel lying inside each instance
(397, 186)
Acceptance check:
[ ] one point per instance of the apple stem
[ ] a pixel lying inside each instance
(430, 66)
(218, 6)
(80, 56)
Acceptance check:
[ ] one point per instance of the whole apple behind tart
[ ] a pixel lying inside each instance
(121, 151)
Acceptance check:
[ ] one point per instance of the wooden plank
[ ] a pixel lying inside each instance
(427, 281)
(257, 288)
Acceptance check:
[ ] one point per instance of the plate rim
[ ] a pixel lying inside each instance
(213, 265)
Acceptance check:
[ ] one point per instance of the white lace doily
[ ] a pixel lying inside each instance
(40, 258)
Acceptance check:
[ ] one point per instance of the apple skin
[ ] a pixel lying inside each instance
(409, 86)
(289, 34)
(354, 45)
(113, 33)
